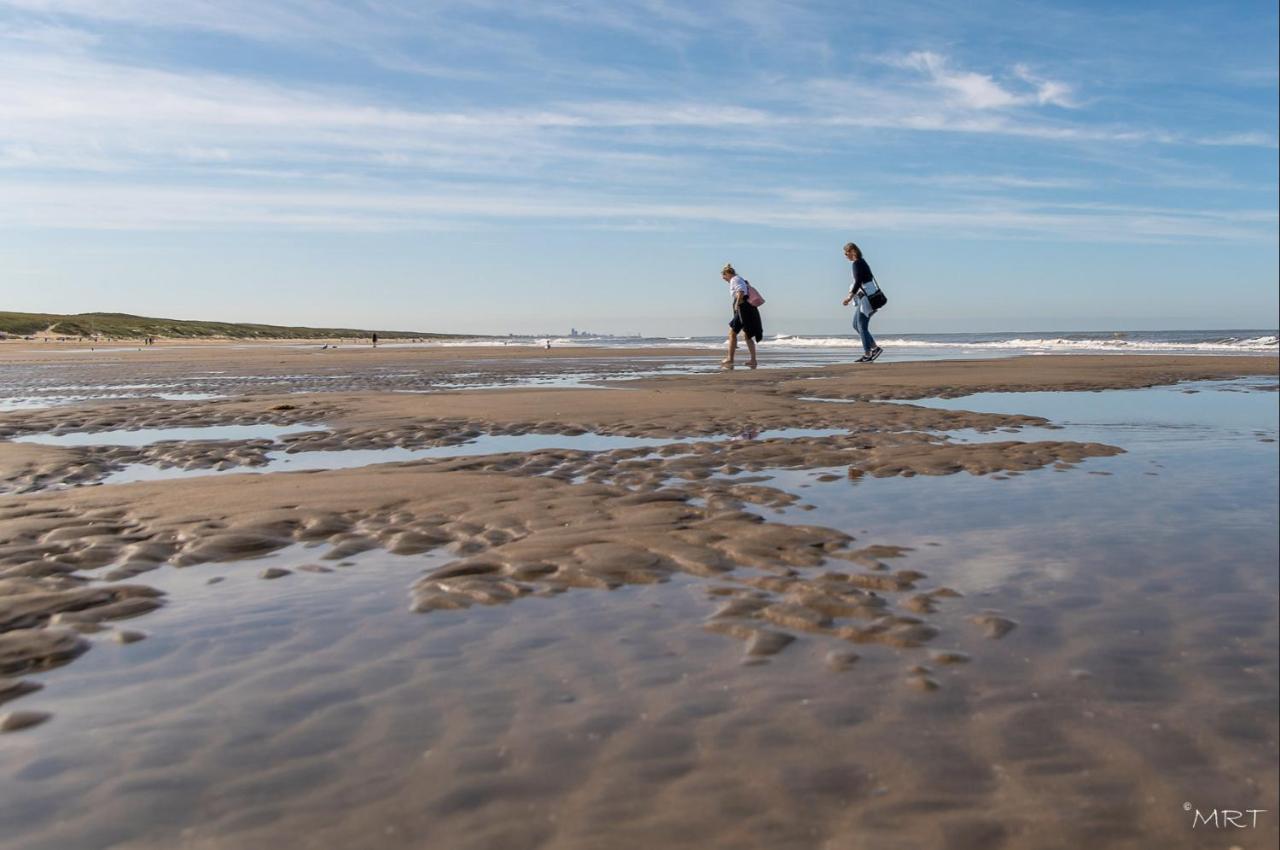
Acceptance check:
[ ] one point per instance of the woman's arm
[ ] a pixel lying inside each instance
(853, 287)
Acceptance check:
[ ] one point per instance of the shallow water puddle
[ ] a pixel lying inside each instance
(43, 401)
(1223, 408)
(317, 704)
(1197, 468)
(148, 436)
(26, 403)
(185, 396)
(999, 435)
(285, 461)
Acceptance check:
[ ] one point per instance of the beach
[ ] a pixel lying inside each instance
(592, 596)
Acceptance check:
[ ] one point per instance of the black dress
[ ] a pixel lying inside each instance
(746, 319)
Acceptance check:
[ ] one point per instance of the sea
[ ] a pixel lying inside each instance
(923, 346)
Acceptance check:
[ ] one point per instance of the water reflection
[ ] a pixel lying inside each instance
(285, 461)
(149, 436)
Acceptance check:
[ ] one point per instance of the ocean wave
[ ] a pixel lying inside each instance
(1261, 344)
(1139, 343)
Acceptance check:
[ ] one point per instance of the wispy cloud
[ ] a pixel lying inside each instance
(998, 182)
(982, 91)
(1242, 140)
(115, 207)
(1047, 92)
(235, 145)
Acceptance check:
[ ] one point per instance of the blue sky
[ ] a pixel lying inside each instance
(479, 166)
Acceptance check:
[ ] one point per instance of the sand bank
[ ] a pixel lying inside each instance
(531, 522)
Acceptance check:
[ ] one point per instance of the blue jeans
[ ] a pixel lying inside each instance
(862, 324)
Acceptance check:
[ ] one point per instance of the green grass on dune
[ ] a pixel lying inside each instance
(125, 326)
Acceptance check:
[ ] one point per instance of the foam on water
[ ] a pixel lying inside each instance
(1246, 341)
(1263, 344)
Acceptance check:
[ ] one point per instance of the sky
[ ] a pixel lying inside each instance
(477, 166)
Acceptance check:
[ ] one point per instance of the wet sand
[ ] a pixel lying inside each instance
(814, 684)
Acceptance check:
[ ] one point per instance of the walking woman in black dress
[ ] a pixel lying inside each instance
(746, 317)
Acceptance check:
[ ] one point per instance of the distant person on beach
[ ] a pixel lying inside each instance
(746, 316)
(863, 280)
(375, 340)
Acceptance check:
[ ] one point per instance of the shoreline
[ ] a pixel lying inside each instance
(14, 350)
(822, 348)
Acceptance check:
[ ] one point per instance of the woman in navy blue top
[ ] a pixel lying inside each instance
(863, 311)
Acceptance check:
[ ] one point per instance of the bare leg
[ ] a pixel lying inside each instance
(751, 349)
(733, 346)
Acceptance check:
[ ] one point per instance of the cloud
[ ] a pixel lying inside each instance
(1002, 181)
(981, 91)
(1047, 92)
(723, 146)
(277, 20)
(1248, 140)
(105, 206)
(61, 39)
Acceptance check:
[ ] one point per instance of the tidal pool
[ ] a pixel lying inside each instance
(316, 710)
(298, 461)
(149, 436)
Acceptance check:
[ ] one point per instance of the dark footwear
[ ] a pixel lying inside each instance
(866, 358)
(875, 352)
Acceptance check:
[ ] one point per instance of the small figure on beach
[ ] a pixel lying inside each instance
(375, 340)
(863, 286)
(746, 316)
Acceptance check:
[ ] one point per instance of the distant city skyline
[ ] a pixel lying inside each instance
(478, 167)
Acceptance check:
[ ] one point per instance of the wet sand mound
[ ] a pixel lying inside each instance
(522, 524)
(1041, 373)
(516, 535)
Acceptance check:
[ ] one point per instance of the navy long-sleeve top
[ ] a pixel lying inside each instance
(861, 274)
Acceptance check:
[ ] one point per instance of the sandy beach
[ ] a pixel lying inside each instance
(501, 597)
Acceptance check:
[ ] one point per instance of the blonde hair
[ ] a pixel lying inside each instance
(728, 269)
